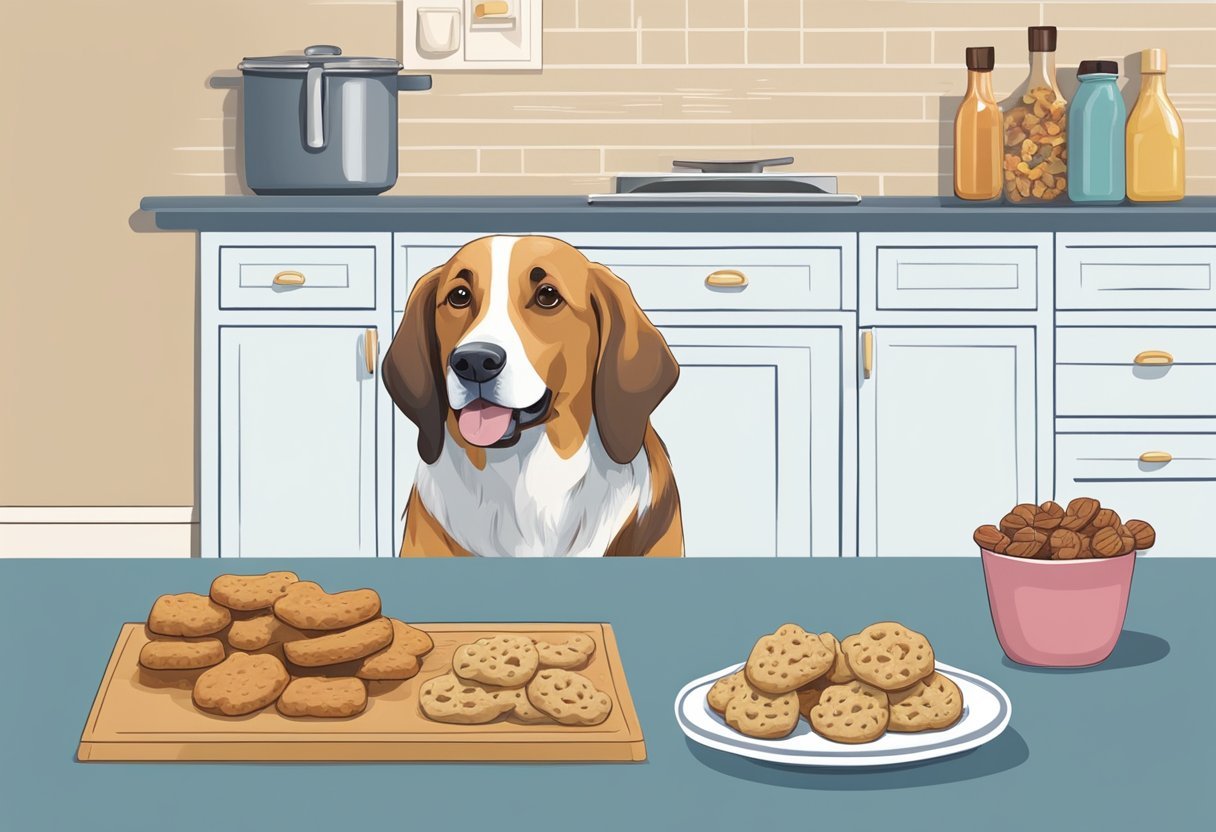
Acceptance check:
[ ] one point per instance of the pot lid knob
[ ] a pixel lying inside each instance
(322, 49)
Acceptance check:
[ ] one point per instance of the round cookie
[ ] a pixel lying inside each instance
(1079, 513)
(251, 592)
(401, 659)
(852, 713)
(187, 614)
(448, 698)
(523, 710)
(766, 716)
(839, 672)
(573, 652)
(570, 698)
(726, 689)
(323, 696)
(345, 646)
(889, 656)
(241, 684)
(930, 704)
(504, 660)
(787, 660)
(1142, 533)
(307, 606)
(181, 655)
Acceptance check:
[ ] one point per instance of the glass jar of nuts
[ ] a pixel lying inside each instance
(1035, 154)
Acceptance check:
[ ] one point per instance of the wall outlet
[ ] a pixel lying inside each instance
(471, 35)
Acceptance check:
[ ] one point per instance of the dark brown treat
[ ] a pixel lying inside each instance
(1048, 517)
(1108, 542)
(1105, 517)
(1021, 516)
(1143, 533)
(1065, 545)
(1087, 549)
(1028, 542)
(1079, 513)
(991, 538)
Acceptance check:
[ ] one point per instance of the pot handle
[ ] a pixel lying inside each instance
(413, 83)
(314, 122)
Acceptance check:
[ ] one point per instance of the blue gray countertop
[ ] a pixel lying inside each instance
(522, 214)
(1119, 746)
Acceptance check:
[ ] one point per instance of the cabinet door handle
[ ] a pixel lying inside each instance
(289, 278)
(1156, 456)
(1156, 357)
(726, 278)
(371, 349)
(867, 353)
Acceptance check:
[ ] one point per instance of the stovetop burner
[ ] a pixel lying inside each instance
(736, 182)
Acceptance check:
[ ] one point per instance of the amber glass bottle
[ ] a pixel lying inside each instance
(977, 131)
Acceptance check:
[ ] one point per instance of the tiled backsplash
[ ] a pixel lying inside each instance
(861, 88)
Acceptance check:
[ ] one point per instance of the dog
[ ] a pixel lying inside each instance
(531, 374)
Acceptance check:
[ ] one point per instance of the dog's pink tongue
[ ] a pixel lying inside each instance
(482, 423)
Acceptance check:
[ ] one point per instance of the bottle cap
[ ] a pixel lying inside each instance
(1152, 60)
(1041, 38)
(981, 58)
(1098, 68)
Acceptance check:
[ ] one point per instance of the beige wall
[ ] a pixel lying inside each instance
(107, 102)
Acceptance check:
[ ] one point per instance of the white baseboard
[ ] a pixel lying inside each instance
(98, 531)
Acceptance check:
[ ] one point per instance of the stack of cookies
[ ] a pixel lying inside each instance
(1085, 529)
(851, 691)
(262, 639)
(518, 679)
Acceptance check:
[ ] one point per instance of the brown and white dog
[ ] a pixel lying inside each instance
(531, 374)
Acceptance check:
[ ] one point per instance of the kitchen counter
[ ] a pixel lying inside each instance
(522, 214)
(1117, 746)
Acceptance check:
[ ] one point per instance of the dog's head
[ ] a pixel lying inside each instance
(521, 333)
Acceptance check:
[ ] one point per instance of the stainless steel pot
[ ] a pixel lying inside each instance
(321, 122)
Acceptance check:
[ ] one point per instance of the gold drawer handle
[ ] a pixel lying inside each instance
(371, 349)
(726, 278)
(1154, 357)
(867, 353)
(1156, 456)
(289, 278)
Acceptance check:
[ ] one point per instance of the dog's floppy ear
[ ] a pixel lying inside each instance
(634, 371)
(411, 371)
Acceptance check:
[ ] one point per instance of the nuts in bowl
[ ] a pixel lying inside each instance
(1059, 579)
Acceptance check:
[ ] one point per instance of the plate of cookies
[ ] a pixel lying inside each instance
(875, 698)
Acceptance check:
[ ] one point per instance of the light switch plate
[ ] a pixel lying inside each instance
(502, 41)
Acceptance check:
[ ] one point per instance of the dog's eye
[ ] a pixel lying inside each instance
(460, 297)
(547, 297)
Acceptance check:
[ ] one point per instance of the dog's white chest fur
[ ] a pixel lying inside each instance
(529, 501)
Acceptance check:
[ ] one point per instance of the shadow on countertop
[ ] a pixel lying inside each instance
(1005, 752)
(1134, 649)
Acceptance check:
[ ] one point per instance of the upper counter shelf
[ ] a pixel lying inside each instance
(522, 214)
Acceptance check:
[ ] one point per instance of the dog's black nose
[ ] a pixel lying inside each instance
(478, 361)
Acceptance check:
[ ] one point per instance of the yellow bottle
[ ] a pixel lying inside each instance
(1156, 150)
(977, 131)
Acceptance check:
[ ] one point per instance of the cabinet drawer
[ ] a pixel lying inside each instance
(301, 277)
(949, 272)
(1118, 272)
(1166, 494)
(672, 279)
(1097, 373)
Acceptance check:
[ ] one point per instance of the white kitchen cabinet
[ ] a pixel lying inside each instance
(947, 435)
(297, 449)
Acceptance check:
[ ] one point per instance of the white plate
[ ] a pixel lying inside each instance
(986, 711)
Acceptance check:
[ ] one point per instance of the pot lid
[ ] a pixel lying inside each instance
(328, 58)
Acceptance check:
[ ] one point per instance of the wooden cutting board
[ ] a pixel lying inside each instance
(134, 719)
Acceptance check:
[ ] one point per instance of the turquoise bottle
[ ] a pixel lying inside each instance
(1096, 118)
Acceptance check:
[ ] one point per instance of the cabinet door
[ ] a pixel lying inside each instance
(297, 409)
(947, 442)
(753, 430)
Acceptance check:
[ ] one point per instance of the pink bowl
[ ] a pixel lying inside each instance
(1051, 613)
